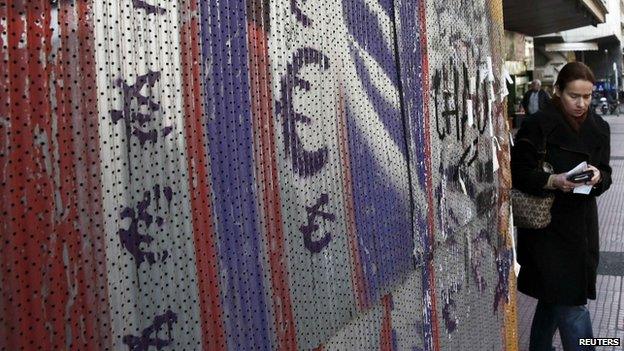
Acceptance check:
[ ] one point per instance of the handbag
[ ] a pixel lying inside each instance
(530, 211)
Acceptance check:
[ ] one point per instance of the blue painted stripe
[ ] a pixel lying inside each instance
(230, 135)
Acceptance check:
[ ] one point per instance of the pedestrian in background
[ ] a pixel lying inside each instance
(536, 99)
(559, 263)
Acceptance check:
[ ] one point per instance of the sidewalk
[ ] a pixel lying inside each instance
(607, 310)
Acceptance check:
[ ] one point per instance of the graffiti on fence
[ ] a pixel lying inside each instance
(131, 238)
(150, 335)
(323, 171)
(148, 8)
(305, 163)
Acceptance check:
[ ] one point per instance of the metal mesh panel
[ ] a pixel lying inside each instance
(472, 257)
(247, 175)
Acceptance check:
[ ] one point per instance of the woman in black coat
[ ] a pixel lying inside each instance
(558, 263)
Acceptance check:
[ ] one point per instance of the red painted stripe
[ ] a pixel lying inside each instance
(386, 324)
(5, 225)
(268, 172)
(31, 263)
(53, 265)
(211, 311)
(357, 280)
(74, 82)
(430, 208)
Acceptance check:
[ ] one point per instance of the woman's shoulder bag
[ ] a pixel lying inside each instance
(530, 211)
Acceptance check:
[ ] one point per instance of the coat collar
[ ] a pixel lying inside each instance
(558, 131)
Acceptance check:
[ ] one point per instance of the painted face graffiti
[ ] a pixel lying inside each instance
(139, 110)
(149, 336)
(132, 239)
(149, 9)
(299, 14)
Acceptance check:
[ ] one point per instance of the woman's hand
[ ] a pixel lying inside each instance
(597, 176)
(561, 182)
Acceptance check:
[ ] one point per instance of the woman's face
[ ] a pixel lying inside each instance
(576, 97)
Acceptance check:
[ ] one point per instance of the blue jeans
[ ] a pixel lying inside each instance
(573, 323)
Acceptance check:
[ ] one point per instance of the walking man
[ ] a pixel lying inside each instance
(535, 99)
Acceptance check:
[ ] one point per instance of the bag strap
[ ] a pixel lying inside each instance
(542, 153)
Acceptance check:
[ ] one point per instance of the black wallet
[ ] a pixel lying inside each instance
(581, 177)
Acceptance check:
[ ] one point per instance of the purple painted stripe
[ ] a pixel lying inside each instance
(370, 37)
(382, 215)
(429, 321)
(387, 6)
(229, 128)
(382, 212)
(410, 57)
(413, 68)
(389, 115)
(420, 122)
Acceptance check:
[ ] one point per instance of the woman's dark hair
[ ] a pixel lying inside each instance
(573, 71)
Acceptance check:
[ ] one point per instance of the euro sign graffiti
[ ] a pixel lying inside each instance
(307, 230)
(304, 162)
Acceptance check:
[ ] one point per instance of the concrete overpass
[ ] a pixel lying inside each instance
(538, 17)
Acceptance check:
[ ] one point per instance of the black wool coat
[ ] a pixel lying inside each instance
(558, 263)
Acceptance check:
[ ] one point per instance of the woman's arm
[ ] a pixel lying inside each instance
(525, 158)
(603, 166)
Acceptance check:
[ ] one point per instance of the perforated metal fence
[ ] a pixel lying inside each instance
(246, 175)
